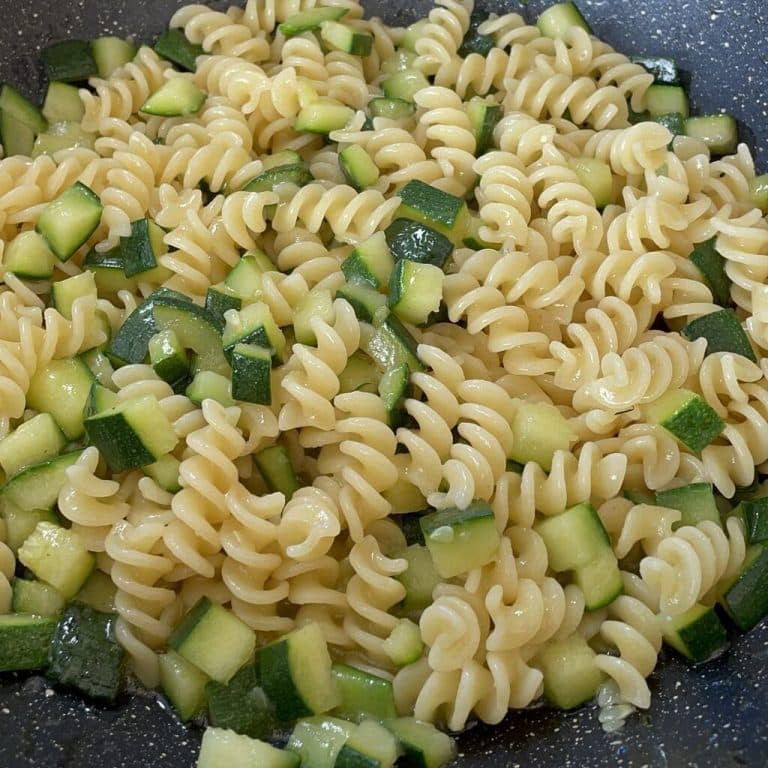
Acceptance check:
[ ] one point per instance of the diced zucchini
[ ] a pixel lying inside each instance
(195, 328)
(473, 41)
(323, 116)
(222, 748)
(183, 683)
(168, 357)
(599, 580)
(36, 598)
(62, 135)
(24, 641)
(746, 600)
(409, 523)
(291, 173)
(539, 430)
(573, 538)
(58, 557)
(69, 220)
(413, 33)
(29, 256)
(214, 640)
(130, 345)
(358, 168)
(70, 61)
(253, 324)
(687, 416)
(252, 374)
(367, 302)
(461, 539)
(674, 122)
(296, 674)
(754, 513)
(697, 634)
(343, 38)
(719, 132)
(174, 46)
(439, 210)
(17, 137)
(22, 110)
(408, 239)
(107, 269)
(663, 99)
(570, 674)
(415, 290)
(369, 746)
(419, 579)
(712, 267)
(483, 117)
(362, 694)
(401, 59)
(392, 344)
(758, 192)
(596, 177)
(132, 433)
(664, 70)
(318, 740)
(32, 442)
(696, 502)
(100, 399)
(20, 523)
(219, 299)
(85, 653)
(556, 20)
(207, 385)
(393, 389)
(177, 97)
(62, 388)
(276, 469)
(723, 333)
(99, 592)
(245, 277)
(318, 303)
(37, 487)
(64, 293)
(110, 53)
(309, 20)
(100, 367)
(392, 109)
(241, 705)
(370, 262)
(283, 157)
(404, 84)
(404, 644)
(422, 745)
(143, 247)
(360, 374)
(165, 472)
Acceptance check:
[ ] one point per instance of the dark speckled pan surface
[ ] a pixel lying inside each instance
(711, 716)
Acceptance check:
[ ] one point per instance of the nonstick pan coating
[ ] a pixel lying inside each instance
(715, 715)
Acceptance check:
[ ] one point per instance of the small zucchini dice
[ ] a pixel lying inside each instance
(69, 220)
(415, 291)
(252, 374)
(408, 239)
(367, 302)
(392, 344)
(222, 748)
(168, 357)
(723, 333)
(599, 580)
(422, 745)
(404, 644)
(362, 694)
(369, 745)
(174, 46)
(32, 442)
(370, 262)
(712, 267)
(58, 557)
(69, 61)
(358, 168)
(143, 247)
(570, 674)
(539, 430)
(343, 38)
(37, 487)
(461, 539)
(214, 640)
(419, 579)
(664, 99)
(686, 416)
(37, 598)
(25, 641)
(292, 173)
(309, 20)
(754, 513)
(556, 20)
(318, 740)
(253, 324)
(393, 389)
(746, 600)
(21, 110)
(28, 256)
(483, 117)
(574, 538)
(207, 385)
(664, 70)
(440, 210)
(275, 467)
(404, 84)
(296, 674)
(697, 634)
(132, 433)
(241, 705)
(758, 192)
(392, 109)
(85, 653)
(183, 683)
(111, 53)
(64, 293)
(317, 304)
(720, 133)
(596, 177)
(323, 116)
(177, 97)
(696, 503)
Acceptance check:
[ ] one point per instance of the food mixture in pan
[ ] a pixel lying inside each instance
(358, 382)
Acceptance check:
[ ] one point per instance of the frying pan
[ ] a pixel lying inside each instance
(713, 715)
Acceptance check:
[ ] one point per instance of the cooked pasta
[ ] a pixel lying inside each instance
(397, 298)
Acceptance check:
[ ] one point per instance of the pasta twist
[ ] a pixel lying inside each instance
(693, 561)
(243, 215)
(633, 629)
(633, 150)
(241, 82)
(442, 34)
(217, 33)
(353, 216)
(206, 475)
